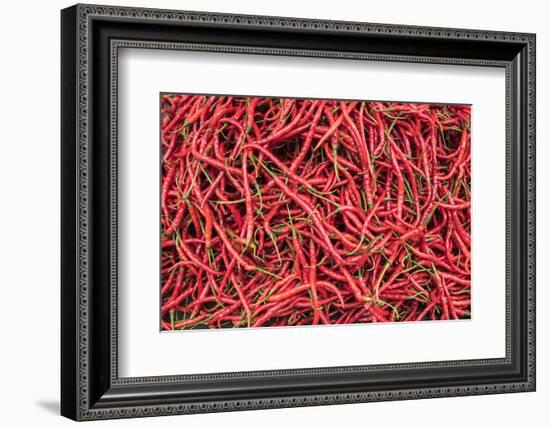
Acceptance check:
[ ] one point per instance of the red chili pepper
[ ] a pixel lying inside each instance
(261, 227)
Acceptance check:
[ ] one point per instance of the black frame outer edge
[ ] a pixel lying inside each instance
(69, 311)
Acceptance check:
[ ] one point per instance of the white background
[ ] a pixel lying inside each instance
(141, 345)
(29, 218)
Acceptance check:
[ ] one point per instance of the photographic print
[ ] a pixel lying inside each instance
(295, 212)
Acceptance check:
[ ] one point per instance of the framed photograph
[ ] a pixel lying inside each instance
(263, 212)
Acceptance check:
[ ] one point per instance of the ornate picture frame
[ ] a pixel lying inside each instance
(91, 37)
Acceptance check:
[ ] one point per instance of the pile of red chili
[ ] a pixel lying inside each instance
(283, 212)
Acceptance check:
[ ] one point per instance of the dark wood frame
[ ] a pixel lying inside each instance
(91, 37)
